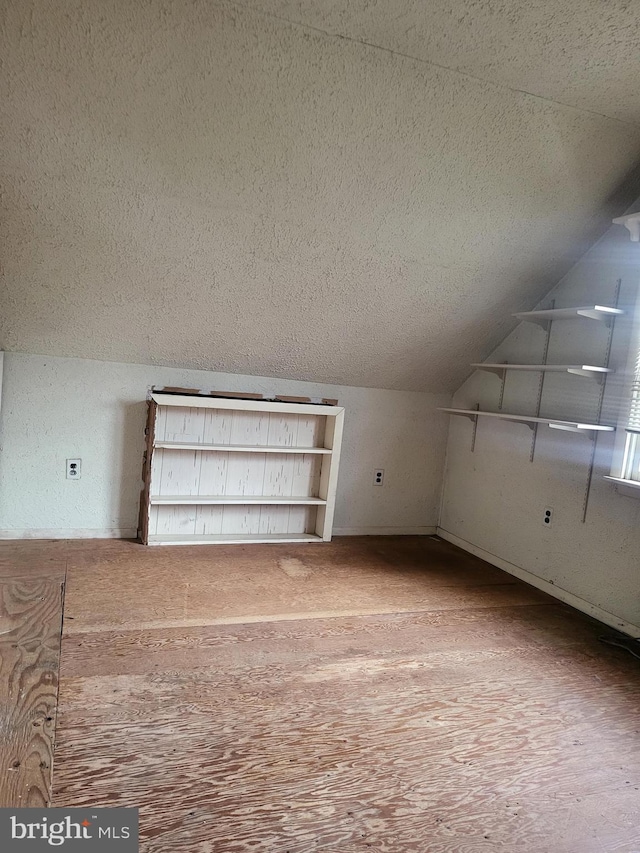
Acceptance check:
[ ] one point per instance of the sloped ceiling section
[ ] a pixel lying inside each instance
(326, 191)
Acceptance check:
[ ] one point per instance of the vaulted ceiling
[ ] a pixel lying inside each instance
(352, 191)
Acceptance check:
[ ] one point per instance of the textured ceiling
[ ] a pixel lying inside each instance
(302, 189)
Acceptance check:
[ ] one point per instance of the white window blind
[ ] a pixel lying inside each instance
(634, 410)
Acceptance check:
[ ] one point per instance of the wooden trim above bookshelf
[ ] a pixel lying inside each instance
(244, 395)
(187, 401)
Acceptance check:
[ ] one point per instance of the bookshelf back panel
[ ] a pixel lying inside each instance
(223, 426)
(198, 472)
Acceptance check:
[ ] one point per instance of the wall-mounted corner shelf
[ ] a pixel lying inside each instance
(531, 421)
(633, 484)
(604, 314)
(588, 370)
(591, 312)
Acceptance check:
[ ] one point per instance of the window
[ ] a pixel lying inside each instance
(631, 458)
(626, 459)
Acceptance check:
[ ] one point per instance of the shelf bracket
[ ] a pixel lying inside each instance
(547, 326)
(469, 416)
(611, 325)
(499, 371)
(543, 322)
(503, 378)
(474, 418)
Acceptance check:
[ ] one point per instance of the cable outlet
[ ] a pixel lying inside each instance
(74, 469)
(548, 516)
(378, 477)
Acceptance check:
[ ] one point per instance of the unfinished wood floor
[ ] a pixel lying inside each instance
(373, 694)
(31, 587)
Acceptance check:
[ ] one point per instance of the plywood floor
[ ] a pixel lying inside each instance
(374, 694)
(31, 589)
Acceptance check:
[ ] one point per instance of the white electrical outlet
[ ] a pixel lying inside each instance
(378, 477)
(74, 469)
(547, 517)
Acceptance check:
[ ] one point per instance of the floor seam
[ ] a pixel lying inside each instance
(63, 591)
(258, 620)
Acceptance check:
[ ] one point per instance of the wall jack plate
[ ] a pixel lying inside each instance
(547, 518)
(378, 477)
(74, 469)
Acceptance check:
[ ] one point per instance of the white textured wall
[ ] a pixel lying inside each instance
(494, 498)
(56, 408)
(169, 166)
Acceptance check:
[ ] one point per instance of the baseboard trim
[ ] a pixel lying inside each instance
(544, 586)
(384, 531)
(131, 532)
(71, 533)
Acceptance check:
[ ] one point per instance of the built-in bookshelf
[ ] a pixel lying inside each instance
(221, 470)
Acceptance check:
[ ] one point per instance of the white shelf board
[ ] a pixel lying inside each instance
(592, 312)
(588, 370)
(554, 423)
(237, 448)
(633, 484)
(230, 538)
(632, 223)
(245, 500)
